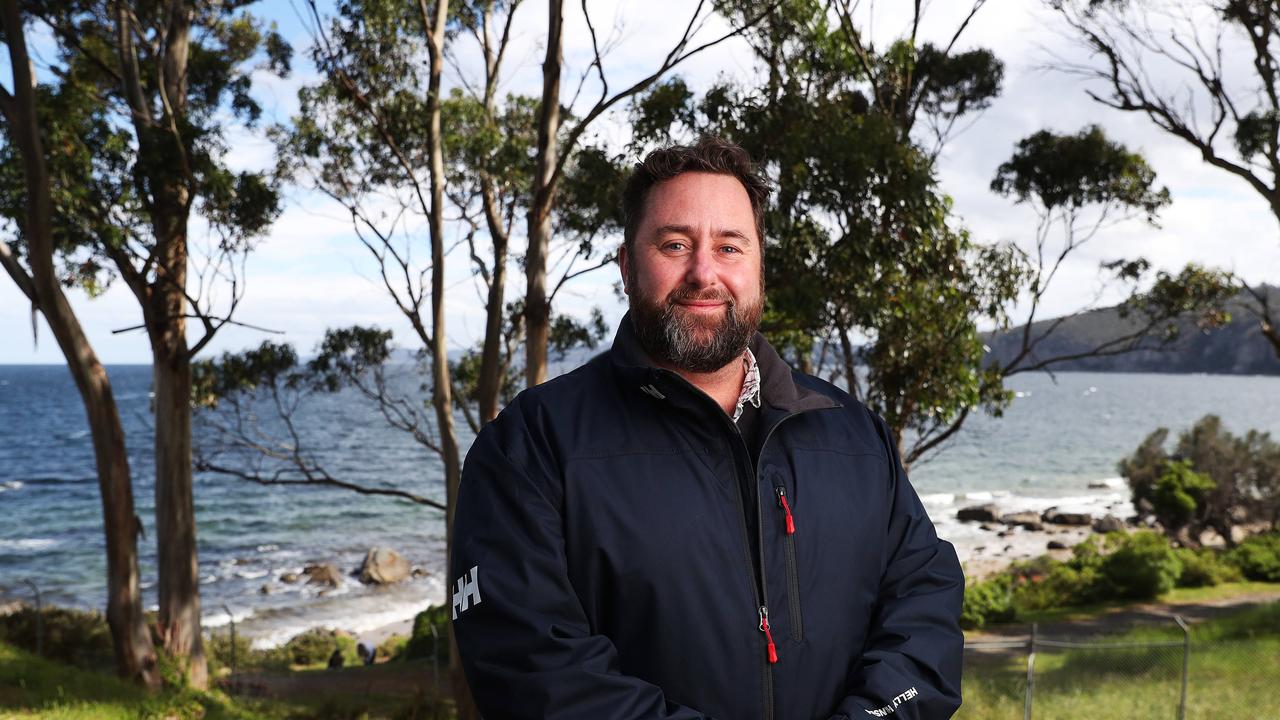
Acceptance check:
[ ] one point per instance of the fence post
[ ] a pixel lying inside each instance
(231, 619)
(1186, 659)
(1031, 675)
(39, 617)
(435, 656)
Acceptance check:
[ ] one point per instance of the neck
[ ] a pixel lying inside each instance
(723, 385)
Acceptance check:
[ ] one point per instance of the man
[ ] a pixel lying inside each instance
(685, 527)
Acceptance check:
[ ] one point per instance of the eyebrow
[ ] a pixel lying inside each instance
(688, 230)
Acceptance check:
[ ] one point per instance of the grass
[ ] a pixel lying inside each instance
(1233, 667)
(33, 687)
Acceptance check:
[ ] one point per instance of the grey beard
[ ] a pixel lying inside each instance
(673, 337)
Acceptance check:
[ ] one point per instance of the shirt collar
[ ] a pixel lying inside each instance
(750, 385)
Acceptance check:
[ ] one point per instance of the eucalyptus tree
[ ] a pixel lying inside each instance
(30, 207)
(1202, 71)
(164, 82)
(849, 133)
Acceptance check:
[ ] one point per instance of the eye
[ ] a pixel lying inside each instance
(731, 249)
(674, 246)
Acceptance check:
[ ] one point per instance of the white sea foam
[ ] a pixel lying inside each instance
(29, 544)
(11, 485)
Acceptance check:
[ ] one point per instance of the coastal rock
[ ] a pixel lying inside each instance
(1098, 486)
(289, 577)
(1058, 545)
(1053, 516)
(383, 566)
(988, 527)
(1028, 520)
(419, 572)
(264, 590)
(979, 513)
(1109, 523)
(323, 574)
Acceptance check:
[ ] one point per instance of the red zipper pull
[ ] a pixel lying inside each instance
(768, 636)
(786, 508)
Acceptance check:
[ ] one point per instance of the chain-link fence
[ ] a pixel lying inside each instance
(1168, 676)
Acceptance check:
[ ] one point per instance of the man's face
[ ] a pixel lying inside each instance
(694, 276)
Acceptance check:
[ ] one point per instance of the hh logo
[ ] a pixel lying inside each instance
(467, 592)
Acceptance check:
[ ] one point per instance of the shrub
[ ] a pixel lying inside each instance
(1258, 557)
(422, 642)
(1204, 568)
(990, 601)
(314, 647)
(74, 637)
(392, 647)
(1142, 566)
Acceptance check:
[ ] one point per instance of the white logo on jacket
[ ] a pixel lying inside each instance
(467, 592)
(893, 706)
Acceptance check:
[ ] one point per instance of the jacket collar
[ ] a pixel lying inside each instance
(778, 387)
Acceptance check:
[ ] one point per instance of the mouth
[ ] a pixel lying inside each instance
(701, 305)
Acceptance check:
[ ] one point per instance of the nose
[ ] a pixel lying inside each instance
(700, 272)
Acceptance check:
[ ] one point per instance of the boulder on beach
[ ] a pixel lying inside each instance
(1028, 520)
(1056, 517)
(1058, 545)
(979, 513)
(1109, 523)
(323, 574)
(289, 577)
(383, 566)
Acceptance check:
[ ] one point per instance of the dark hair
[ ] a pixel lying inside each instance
(710, 154)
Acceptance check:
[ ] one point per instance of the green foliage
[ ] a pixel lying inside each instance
(1205, 568)
(1178, 493)
(1141, 567)
(109, 175)
(989, 601)
(430, 635)
(1258, 557)
(74, 637)
(1044, 583)
(314, 647)
(1236, 480)
(1072, 171)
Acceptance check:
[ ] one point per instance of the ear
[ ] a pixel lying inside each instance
(624, 264)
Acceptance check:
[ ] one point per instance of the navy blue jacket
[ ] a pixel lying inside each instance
(602, 561)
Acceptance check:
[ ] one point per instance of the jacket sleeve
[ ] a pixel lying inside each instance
(524, 640)
(911, 663)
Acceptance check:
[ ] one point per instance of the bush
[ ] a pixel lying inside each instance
(1204, 568)
(1142, 566)
(990, 601)
(422, 642)
(74, 637)
(1258, 557)
(314, 647)
(392, 647)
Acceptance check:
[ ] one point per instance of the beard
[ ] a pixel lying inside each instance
(691, 341)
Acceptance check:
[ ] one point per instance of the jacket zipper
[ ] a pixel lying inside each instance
(793, 579)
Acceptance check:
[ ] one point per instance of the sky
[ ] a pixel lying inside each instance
(310, 272)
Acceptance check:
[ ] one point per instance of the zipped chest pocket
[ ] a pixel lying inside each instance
(793, 573)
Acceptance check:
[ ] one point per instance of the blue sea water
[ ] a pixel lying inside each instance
(1060, 437)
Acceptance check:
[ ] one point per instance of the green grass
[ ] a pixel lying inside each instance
(32, 687)
(1233, 670)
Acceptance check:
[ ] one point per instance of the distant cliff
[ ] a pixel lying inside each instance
(1236, 349)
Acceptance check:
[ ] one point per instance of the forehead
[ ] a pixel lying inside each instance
(700, 199)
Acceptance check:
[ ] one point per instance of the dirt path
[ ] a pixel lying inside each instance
(1120, 619)
(397, 679)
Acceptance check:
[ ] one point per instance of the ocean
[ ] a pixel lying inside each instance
(1058, 444)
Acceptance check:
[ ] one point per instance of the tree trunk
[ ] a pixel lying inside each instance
(491, 364)
(537, 307)
(177, 559)
(131, 642)
(441, 392)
